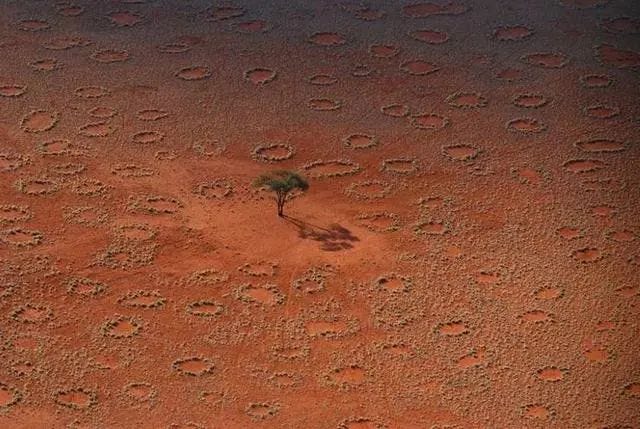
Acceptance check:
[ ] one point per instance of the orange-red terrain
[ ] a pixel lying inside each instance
(467, 254)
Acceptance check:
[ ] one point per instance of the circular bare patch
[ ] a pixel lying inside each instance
(34, 25)
(262, 410)
(466, 100)
(400, 166)
(360, 141)
(84, 286)
(78, 399)
(37, 186)
(11, 213)
(583, 165)
(384, 50)
(621, 236)
(12, 161)
(550, 374)
(600, 145)
(142, 299)
(272, 152)
(215, 189)
(395, 110)
(331, 168)
(537, 412)
(140, 392)
(313, 280)
(121, 327)
(620, 58)
(322, 79)
(530, 100)
(208, 277)
(601, 111)
(55, 147)
(87, 215)
(324, 104)
(193, 366)
(155, 204)
(361, 70)
(38, 121)
(147, 137)
(45, 65)
(430, 227)
(109, 56)
(632, 389)
(165, 155)
(327, 39)
(549, 60)
(431, 37)
(510, 74)
(596, 80)
(346, 377)
(526, 126)
(252, 27)
(174, 48)
(151, 114)
(621, 25)
(512, 33)
(135, 232)
(124, 18)
(12, 90)
(69, 10)
(418, 67)
(587, 255)
(205, 308)
(536, 316)
(429, 121)
(193, 73)
(380, 221)
(89, 187)
(9, 396)
(32, 313)
(259, 269)
(102, 112)
(368, 14)
(460, 152)
(452, 329)
(365, 423)
(393, 282)
(267, 294)
(260, 76)
(96, 129)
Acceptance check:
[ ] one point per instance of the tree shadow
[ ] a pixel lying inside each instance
(333, 238)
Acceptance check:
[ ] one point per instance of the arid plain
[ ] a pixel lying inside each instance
(466, 256)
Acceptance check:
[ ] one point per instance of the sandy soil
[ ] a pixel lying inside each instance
(466, 257)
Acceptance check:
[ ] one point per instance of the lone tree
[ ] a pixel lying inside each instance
(282, 182)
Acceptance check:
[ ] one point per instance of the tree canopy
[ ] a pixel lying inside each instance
(282, 182)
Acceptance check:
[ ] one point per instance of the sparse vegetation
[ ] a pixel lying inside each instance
(468, 256)
(282, 182)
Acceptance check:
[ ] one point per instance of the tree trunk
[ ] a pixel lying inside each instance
(280, 201)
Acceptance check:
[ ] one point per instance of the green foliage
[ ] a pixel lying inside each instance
(281, 182)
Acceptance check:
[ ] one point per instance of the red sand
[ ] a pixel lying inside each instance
(466, 256)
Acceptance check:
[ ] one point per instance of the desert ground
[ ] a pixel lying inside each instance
(466, 255)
